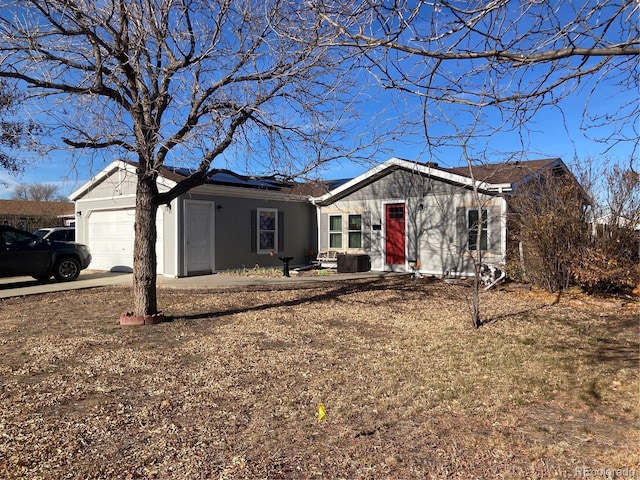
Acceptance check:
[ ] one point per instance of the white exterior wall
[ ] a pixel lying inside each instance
(112, 197)
(433, 211)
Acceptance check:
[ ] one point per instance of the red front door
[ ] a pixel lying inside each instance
(395, 237)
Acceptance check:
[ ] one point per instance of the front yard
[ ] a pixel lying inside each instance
(230, 387)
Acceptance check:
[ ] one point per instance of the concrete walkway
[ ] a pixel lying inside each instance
(21, 286)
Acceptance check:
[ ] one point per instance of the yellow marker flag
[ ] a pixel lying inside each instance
(321, 413)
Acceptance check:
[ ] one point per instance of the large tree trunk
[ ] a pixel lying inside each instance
(144, 248)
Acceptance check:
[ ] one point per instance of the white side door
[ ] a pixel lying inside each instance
(199, 237)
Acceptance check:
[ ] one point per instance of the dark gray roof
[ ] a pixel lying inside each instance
(228, 178)
(508, 172)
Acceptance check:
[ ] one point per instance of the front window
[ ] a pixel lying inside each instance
(477, 230)
(335, 231)
(355, 231)
(267, 230)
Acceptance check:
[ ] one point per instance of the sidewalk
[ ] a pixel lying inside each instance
(21, 286)
(230, 280)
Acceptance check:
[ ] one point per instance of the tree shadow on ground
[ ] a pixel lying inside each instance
(403, 286)
(618, 343)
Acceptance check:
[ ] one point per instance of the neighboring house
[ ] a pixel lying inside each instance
(602, 226)
(403, 213)
(230, 222)
(31, 215)
(609, 219)
(398, 214)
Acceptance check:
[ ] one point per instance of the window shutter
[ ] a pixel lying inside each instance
(462, 234)
(324, 231)
(254, 230)
(366, 231)
(280, 231)
(494, 229)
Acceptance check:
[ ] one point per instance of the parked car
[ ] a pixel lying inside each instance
(60, 234)
(22, 253)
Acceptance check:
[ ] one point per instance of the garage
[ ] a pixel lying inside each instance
(110, 239)
(213, 226)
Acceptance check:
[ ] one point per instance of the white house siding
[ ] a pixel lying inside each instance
(107, 230)
(104, 222)
(433, 234)
(118, 184)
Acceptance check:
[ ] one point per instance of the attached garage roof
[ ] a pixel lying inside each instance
(170, 176)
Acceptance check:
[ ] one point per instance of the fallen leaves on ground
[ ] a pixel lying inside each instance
(230, 386)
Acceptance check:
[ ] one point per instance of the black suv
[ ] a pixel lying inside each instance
(22, 253)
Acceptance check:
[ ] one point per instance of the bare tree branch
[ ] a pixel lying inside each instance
(184, 81)
(512, 58)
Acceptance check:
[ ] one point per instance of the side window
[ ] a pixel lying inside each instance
(477, 236)
(355, 231)
(335, 231)
(267, 230)
(17, 238)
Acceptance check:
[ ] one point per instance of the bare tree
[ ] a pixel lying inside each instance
(14, 133)
(509, 59)
(547, 218)
(39, 192)
(163, 80)
(610, 261)
(567, 241)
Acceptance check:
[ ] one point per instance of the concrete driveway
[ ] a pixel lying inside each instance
(20, 286)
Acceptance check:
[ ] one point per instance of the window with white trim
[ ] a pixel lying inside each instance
(477, 230)
(355, 231)
(335, 231)
(267, 230)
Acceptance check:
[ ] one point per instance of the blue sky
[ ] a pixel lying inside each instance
(548, 138)
(553, 132)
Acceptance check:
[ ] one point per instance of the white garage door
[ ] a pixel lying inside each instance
(110, 240)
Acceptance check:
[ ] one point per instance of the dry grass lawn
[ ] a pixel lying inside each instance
(229, 387)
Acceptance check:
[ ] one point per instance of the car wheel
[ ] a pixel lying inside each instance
(41, 278)
(67, 269)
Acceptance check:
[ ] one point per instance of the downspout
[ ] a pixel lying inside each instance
(503, 228)
(176, 237)
(313, 202)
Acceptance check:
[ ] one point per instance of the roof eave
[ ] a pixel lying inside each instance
(354, 182)
(395, 163)
(109, 170)
(101, 175)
